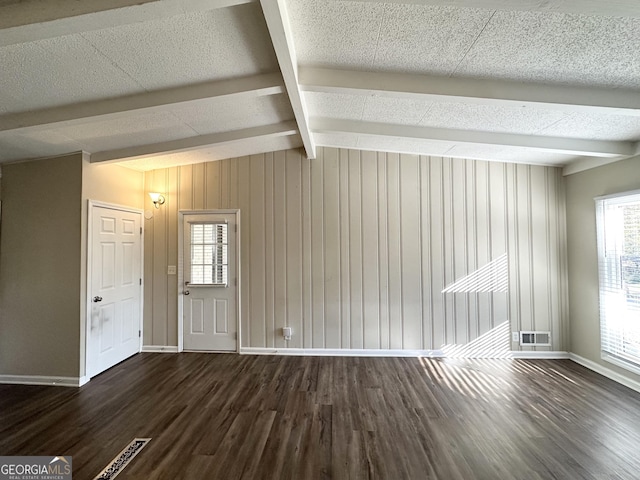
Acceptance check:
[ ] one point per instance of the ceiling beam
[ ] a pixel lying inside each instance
(277, 18)
(253, 86)
(583, 164)
(613, 8)
(571, 146)
(215, 153)
(457, 90)
(31, 20)
(193, 143)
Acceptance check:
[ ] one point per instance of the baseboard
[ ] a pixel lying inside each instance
(43, 380)
(159, 349)
(606, 372)
(540, 355)
(339, 352)
(357, 352)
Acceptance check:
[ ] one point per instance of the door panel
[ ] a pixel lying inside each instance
(115, 288)
(129, 276)
(220, 315)
(196, 315)
(210, 290)
(105, 317)
(129, 315)
(107, 265)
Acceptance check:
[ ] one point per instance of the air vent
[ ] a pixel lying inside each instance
(112, 470)
(539, 339)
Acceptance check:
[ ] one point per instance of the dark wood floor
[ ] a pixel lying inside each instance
(228, 416)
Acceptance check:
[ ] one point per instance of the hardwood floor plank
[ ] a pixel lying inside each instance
(227, 416)
(274, 454)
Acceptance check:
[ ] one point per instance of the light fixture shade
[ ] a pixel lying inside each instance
(156, 198)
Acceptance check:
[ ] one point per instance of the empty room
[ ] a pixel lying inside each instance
(300, 239)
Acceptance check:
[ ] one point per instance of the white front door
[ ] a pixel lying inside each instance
(115, 287)
(210, 282)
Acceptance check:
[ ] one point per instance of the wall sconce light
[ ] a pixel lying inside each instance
(157, 199)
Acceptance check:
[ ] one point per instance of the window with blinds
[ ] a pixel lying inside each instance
(618, 221)
(209, 262)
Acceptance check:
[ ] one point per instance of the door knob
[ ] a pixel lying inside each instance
(186, 292)
(97, 299)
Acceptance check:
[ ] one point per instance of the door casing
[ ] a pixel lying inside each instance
(181, 217)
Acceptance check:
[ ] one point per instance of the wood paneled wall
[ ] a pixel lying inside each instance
(353, 249)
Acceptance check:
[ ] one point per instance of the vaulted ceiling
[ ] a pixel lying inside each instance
(167, 82)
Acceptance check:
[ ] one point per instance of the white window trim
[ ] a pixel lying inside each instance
(633, 363)
(211, 284)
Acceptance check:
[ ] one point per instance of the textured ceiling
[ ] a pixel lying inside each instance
(169, 82)
(527, 46)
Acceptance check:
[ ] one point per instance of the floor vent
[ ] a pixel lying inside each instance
(122, 460)
(539, 339)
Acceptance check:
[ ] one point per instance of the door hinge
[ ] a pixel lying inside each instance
(139, 333)
(235, 228)
(140, 230)
(140, 281)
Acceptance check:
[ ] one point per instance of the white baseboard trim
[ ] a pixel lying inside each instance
(339, 352)
(43, 380)
(357, 352)
(159, 349)
(606, 372)
(540, 355)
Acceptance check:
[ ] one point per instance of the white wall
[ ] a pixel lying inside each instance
(111, 183)
(583, 257)
(354, 248)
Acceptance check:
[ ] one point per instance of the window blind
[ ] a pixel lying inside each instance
(618, 224)
(209, 262)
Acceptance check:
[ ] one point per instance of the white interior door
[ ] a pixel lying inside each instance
(115, 287)
(210, 320)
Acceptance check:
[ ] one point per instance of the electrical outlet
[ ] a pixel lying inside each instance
(515, 336)
(171, 270)
(286, 333)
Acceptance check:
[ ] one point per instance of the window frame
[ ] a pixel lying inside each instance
(608, 353)
(212, 284)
